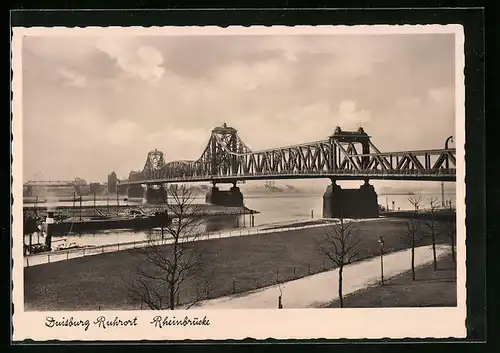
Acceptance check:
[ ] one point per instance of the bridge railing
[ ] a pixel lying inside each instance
(341, 172)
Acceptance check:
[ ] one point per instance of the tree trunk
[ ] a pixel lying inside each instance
(413, 257)
(171, 296)
(433, 234)
(341, 299)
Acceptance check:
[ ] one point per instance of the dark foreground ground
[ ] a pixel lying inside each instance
(240, 263)
(430, 288)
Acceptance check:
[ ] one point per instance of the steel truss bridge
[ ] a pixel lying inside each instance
(345, 155)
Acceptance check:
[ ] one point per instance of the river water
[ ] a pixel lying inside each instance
(272, 208)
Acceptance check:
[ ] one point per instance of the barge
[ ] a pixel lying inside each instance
(99, 223)
(52, 227)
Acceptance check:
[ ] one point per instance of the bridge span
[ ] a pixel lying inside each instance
(75, 187)
(344, 155)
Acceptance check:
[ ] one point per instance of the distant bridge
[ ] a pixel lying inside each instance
(57, 183)
(79, 186)
(345, 155)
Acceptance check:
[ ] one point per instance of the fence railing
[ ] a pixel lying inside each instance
(61, 255)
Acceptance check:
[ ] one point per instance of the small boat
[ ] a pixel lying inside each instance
(35, 248)
(67, 246)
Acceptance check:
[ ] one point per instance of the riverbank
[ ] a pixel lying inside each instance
(230, 265)
(438, 214)
(203, 210)
(430, 288)
(129, 240)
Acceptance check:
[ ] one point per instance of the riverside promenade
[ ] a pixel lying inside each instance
(319, 290)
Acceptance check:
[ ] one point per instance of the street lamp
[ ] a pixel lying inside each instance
(381, 242)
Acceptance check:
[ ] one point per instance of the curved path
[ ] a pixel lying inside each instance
(321, 289)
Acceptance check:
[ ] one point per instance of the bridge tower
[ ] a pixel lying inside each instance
(224, 147)
(350, 203)
(224, 139)
(152, 194)
(348, 143)
(112, 183)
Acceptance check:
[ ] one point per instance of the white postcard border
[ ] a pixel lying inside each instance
(240, 324)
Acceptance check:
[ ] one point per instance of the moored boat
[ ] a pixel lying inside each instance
(134, 222)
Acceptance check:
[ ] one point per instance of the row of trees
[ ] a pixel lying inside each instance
(341, 240)
(158, 280)
(417, 229)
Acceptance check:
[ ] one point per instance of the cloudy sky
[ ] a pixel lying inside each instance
(93, 105)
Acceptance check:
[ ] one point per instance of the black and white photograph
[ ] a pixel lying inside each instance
(171, 181)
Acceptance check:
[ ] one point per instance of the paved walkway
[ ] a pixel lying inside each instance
(321, 289)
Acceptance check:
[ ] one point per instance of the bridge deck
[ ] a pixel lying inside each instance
(450, 176)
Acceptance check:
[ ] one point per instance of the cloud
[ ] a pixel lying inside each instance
(72, 78)
(350, 117)
(275, 90)
(138, 60)
(441, 94)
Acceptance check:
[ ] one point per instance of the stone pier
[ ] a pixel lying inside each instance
(350, 203)
(134, 191)
(154, 194)
(123, 189)
(230, 198)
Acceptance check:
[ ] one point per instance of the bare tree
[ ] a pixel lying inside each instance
(157, 281)
(432, 226)
(412, 233)
(340, 246)
(413, 228)
(415, 201)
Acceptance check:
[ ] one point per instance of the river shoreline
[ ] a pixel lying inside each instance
(231, 265)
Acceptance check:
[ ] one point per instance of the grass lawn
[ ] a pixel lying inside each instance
(98, 282)
(430, 288)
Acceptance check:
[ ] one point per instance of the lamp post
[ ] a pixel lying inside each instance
(381, 242)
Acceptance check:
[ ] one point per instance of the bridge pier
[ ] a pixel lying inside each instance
(123, 190)
(230, 198)
(350, 203)
(154, 195)
(133, 191)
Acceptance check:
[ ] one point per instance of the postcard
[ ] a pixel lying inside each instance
(176, 183)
